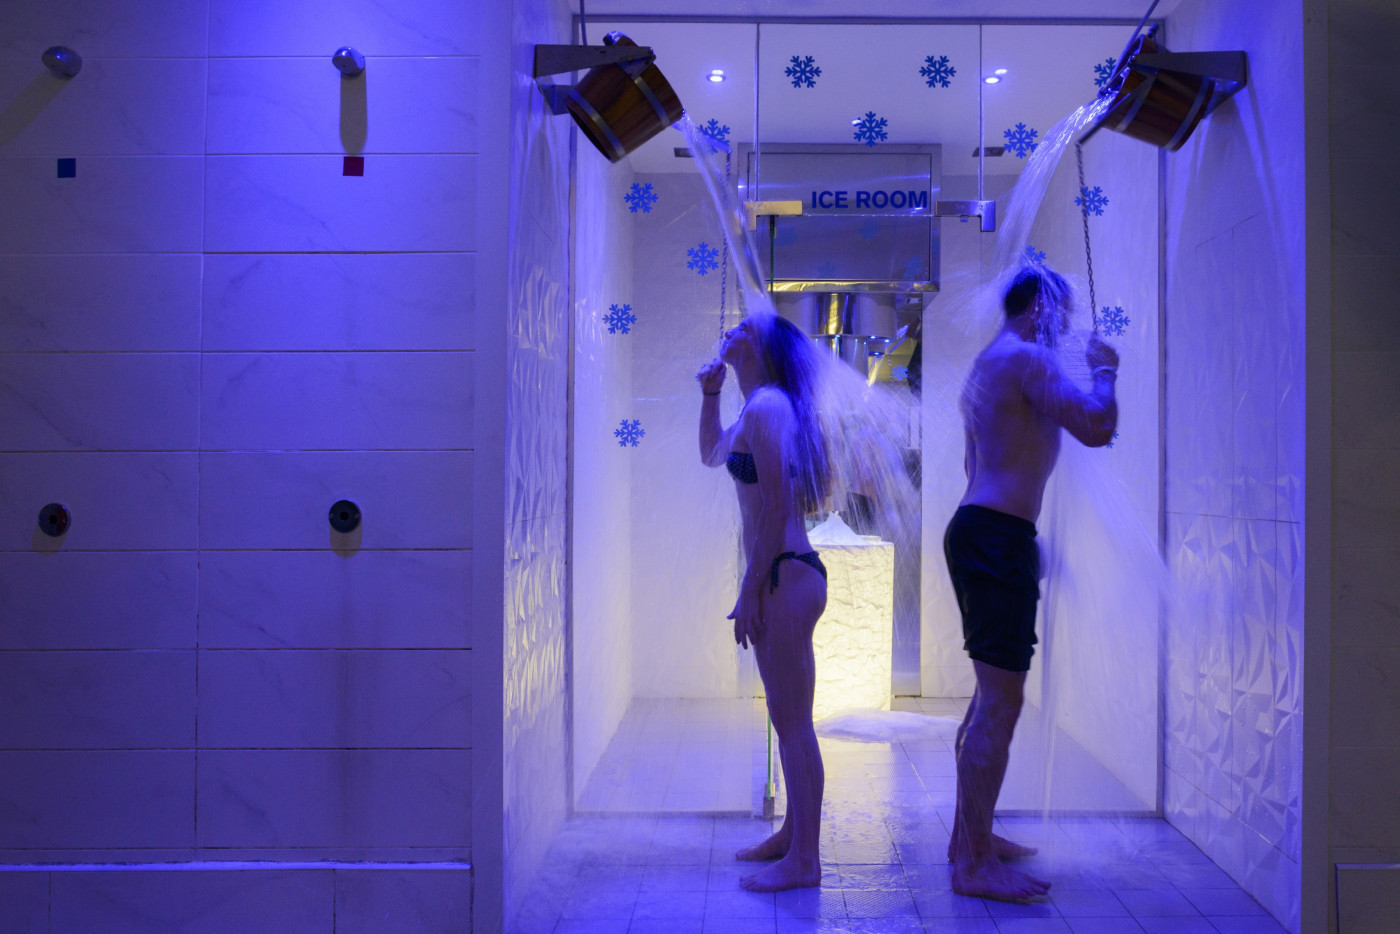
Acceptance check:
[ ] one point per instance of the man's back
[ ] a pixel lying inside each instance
(1011, 446)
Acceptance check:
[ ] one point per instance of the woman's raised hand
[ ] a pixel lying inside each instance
(711, 376)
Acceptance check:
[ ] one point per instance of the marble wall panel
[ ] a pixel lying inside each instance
(1366, 596)
(150, 106)
(97, 799)
(1365, 499)
(24, 902)
(1363, 231)
(407, 500)
(1363, 291)
(63, 402)
(303, 105)
(197, 902)
(336, 401)
(1365, 695)
(275, 204)
(100, 29)
(137, 600)
(319, 599)
(100, 302)
(402, 901)
(1365, 384)
(120, 501)
(115, 204)
(97, 700)
(418, 27)
(399, 301)
(334, 798)
(334, 699)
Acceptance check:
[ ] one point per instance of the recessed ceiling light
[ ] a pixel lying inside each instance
(999, 71)
(992, 79)
(717, 75)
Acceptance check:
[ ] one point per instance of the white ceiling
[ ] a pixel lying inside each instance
(883, 9)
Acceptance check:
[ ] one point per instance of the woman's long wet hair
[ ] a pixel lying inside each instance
(795, 366)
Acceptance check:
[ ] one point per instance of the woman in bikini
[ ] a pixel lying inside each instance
(778, 457)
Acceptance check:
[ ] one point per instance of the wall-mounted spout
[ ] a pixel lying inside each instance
(349, 62)
(62, 61)
(987, 210)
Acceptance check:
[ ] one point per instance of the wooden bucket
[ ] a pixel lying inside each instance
(1157, 105)
(620, 107)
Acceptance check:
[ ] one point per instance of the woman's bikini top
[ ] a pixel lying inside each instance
(741, 466)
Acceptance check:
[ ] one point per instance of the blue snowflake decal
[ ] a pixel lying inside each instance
(703, 258)
(1112, 441)
(1034, 255)
(870, 129)
(629, 432)
(1103, 71)
(899, 373)
(1021, 140)
(1092, 200)
(716, 131)
(619, 318)
(868, 230)
(937, 72)
(803, 71)
(913, 268)
(1113, 321)
(640, 198)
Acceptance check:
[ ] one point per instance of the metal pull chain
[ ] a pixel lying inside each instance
(724, 262)
(1088, 252)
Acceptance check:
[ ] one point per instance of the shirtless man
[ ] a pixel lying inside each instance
(1016, 400)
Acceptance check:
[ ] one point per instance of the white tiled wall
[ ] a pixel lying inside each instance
(207, 336)
(1365, 728)
(1234, 329)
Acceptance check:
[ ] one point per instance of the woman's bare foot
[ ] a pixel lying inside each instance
(774, 847)
(787, 873)
(1002, 848)
(996, 881)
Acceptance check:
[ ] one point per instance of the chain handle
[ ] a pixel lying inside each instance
(1088, 252)
(724, 263)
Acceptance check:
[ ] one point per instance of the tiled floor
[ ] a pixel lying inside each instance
(884, 835)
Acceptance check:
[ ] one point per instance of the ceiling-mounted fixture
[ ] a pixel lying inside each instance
(1161, 97)
(621, 102)
(716, 75)
(62, 61)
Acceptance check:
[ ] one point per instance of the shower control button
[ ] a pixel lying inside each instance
(54, 519)
(345, 516)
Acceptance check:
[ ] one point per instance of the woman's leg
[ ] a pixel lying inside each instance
(788, 669)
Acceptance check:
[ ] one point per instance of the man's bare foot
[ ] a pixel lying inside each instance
(1002, 848)
(996, 881)
(787, 873)
(774, 847)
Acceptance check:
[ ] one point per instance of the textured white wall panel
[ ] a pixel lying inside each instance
(304, 105)
(304, 204)
(155, 508)
(112, 107)
(318, 599)
(282, 500)
(399, 301)
(335, 401)
(100, 302)
(114, 204)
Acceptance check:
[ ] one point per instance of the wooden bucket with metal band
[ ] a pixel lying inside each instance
(620, 107)
(1157, 105)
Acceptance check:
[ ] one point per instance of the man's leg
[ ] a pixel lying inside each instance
(982, 758)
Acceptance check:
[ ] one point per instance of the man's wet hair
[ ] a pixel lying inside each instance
(1033, 281)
